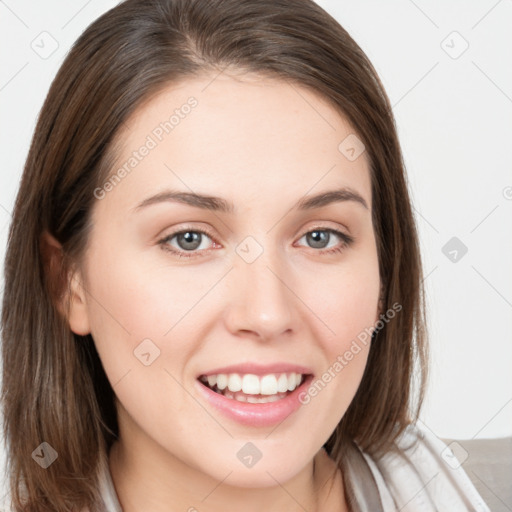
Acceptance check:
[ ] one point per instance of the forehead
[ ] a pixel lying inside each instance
(247, 136)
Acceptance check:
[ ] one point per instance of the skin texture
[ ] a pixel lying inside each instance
(261, 144)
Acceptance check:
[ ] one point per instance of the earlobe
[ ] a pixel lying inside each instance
(65, 286)
(380, 304)
(78, 316)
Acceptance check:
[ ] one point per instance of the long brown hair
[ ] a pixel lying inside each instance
(54, 388)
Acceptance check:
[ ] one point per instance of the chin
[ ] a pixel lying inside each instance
(265, 472)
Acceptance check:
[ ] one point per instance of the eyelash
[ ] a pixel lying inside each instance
(346, 241)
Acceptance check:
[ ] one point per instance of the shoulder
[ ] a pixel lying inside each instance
(422, 475)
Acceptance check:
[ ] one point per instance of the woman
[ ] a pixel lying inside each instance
(213, 286)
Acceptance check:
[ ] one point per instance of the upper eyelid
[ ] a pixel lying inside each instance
(187, 229)
(319, 227)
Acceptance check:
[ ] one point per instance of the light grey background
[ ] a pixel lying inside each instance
(453, 107)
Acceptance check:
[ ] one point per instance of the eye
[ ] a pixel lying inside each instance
(320, 238)
(190, 242)
(187, 240)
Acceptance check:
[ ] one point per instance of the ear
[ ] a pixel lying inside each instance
(65, 286)
(380, 306)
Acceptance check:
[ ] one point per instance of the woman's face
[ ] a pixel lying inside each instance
(269, 290)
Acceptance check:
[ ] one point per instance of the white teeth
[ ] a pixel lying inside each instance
(263, 400)
(269, 385)
(234, 382)
(251, 384)
(292, 383)
(282, 383)
(222, 380)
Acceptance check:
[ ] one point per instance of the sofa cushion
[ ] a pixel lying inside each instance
(488, 463)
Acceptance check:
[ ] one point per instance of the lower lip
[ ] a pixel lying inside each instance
(256, 415)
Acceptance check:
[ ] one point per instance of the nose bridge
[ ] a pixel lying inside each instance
(261, 302)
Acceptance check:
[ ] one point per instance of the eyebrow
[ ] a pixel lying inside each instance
(218, 204)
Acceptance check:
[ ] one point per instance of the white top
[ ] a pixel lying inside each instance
(422, 476)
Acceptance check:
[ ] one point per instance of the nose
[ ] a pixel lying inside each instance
(261, 300)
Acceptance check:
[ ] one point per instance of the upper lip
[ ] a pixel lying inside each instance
(259, 369)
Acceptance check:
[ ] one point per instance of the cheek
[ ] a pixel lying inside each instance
(134, 298)
(137, 307)
(348, 312)
(335, 389)
(137, 326)
(345, 300)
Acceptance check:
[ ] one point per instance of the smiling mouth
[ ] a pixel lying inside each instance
(253, 388)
